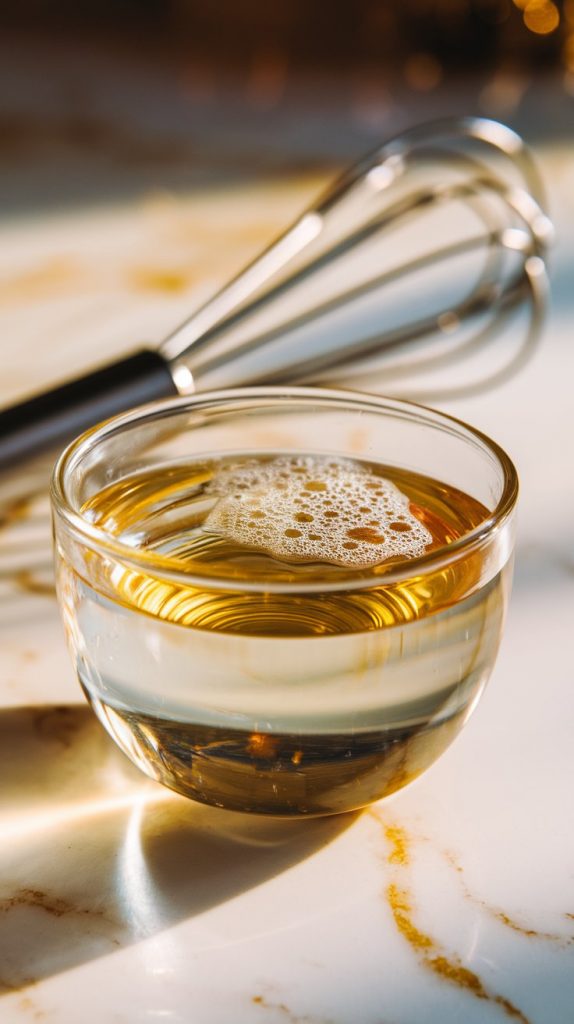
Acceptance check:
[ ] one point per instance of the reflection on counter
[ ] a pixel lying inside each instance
(95, 858)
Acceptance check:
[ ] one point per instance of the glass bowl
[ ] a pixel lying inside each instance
(246, 678)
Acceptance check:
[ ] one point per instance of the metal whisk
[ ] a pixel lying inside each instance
(422, 255)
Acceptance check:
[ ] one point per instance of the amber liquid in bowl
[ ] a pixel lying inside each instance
(254, 695)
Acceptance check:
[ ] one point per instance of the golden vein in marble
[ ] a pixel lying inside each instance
(286, 1014)
(428, 950)
(500, 915)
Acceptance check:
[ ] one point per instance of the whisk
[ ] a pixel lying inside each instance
(421, 256)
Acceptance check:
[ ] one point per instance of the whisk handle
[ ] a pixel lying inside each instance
(51, 419)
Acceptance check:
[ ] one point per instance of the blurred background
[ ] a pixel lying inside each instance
(148, 148)
(107, 98)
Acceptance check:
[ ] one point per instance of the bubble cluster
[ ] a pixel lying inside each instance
(309, 508)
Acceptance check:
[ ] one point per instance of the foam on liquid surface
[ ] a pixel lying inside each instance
(307, 508)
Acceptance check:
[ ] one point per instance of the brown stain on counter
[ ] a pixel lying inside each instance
(15, 511)
(35, 898)
(12, 513)
(25, 581)
(28, 1006)
(161, 279)
(55, 906)
(42, 281)
(428, 950)
(25, 1004)
(286, 1013)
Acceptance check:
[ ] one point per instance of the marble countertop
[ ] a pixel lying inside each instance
(121, 903)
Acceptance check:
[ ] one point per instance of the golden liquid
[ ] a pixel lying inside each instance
(165, 511)
(282, 702)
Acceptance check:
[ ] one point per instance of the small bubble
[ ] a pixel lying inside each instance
(303, 517)
(400, 527)
(364, 508)
(258, 514)
(331, 515)
(315, 485)
(350, 545)
(293, 533)
(314, 536)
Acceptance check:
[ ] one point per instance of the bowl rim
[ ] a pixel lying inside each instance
(171, 570)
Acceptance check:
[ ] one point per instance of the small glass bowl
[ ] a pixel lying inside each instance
(303, 698)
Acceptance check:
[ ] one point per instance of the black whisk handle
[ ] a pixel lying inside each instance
(50, 420)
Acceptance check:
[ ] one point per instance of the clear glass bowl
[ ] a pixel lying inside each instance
(266, 686)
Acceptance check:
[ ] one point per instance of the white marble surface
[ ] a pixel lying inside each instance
(120, 903)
